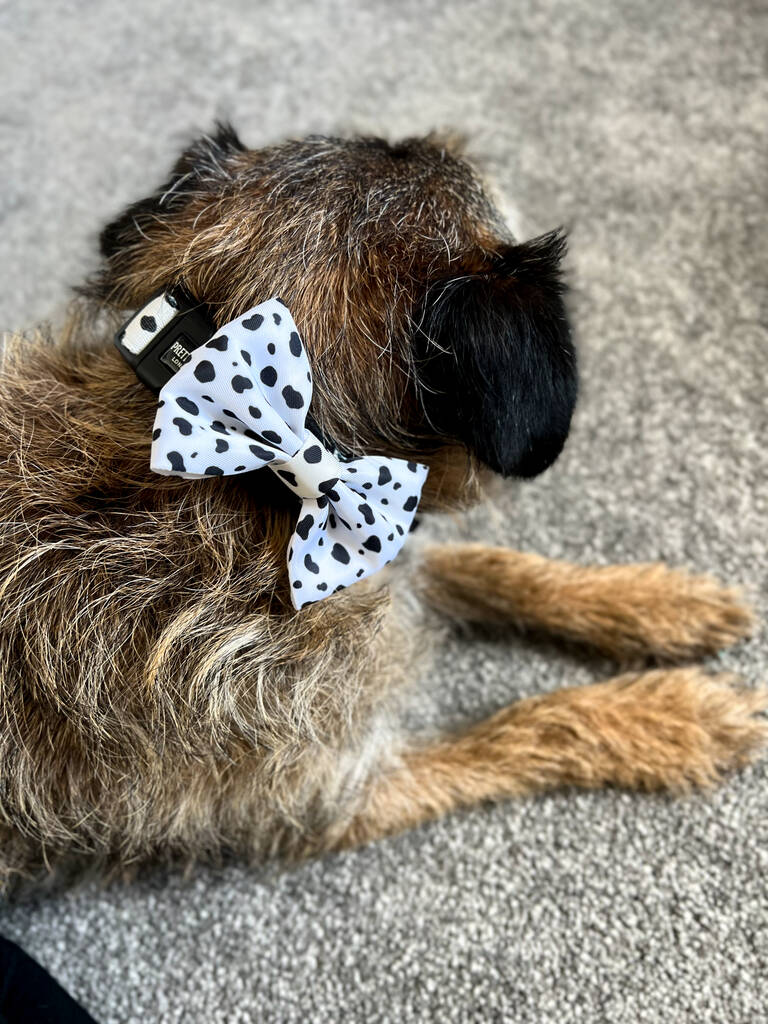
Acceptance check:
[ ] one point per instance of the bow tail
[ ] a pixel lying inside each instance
(338, 544)
(307, 571)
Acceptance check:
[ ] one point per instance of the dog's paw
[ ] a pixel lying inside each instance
(725, 728)
(680, 616)
(679, 727)
(631, 611)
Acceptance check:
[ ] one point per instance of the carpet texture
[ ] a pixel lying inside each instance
(643, 128)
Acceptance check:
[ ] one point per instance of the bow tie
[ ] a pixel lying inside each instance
(240, 403)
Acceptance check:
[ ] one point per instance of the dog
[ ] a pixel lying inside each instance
(161, 698)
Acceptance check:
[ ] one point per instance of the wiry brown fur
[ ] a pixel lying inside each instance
(347, 234)
(159, 698)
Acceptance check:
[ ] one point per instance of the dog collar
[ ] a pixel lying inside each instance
(161, 337)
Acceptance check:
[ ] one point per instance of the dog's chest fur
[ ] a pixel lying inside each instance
(152, 696)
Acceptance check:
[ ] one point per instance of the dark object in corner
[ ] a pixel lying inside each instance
(29, 995)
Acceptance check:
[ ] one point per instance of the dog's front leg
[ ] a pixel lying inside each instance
(665, 729)
(623, 610)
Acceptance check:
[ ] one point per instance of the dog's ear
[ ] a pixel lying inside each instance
(496, 366)
(203, 161)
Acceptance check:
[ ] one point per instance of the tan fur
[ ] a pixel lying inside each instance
(665, 729)
(159, 697)
(622, 610)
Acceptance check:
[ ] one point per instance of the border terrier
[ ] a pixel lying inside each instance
(161, 698)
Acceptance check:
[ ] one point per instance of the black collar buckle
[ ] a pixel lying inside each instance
(159, 339)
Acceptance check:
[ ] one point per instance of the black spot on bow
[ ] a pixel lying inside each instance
(187, 405)
(292, 397)
(204, 371)
(304, 526)
(340, 553)
(261, 453)
(327, 488)
(185, 427)
(367, 513)
(286, 474)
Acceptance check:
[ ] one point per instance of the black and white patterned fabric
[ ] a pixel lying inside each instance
(143, 328)
(240, 404)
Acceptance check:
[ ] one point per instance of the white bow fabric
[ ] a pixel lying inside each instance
(240, 404)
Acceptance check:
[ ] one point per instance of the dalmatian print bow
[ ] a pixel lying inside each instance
(239, 404)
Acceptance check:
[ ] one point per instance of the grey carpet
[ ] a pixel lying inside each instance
(642, 126)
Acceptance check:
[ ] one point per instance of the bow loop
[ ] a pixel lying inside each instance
(240, 404)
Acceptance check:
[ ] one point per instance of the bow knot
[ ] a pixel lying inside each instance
(312, 472)
(240, 403)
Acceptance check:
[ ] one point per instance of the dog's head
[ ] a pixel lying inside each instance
(430, 330)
